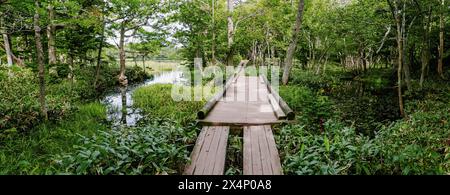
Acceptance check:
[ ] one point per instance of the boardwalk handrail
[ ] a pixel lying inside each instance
(284, 106)
(212, 102)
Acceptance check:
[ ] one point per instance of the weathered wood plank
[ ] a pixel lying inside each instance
(212, 152)
(195, 152)
(260, 153)
(275, 158)
(265, 154)
(247, 152)
(200, 165)
(219, 165)
(256, 153)
(208, 155)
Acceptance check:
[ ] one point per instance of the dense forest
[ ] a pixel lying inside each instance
(368, 81)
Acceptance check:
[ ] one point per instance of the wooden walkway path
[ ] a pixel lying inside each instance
(248, 102)
(244, 103)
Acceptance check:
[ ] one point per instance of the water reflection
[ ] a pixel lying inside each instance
(123, 93)
(120, 108)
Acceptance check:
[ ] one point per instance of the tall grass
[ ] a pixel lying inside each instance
(156, 101)
(154, 66)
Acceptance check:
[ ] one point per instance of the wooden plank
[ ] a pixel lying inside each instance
(275, 158)
(212, 152)
(195, 152)
(208, 156)
(200, 165)
(219, 165)
(247, 152)
(276, 107)
(241, 123)
(256, 153)
(260, 152)
(265, 153)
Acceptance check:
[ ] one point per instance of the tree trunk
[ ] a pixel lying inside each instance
(135, 59)
(99, 54)
(40, 60)
(213, 43)
(71, 65)
(405, 65)
(293, 44)
(122, 78)
(400, 58)
(7, 49)
(143, 62)
(51, 35)
(230, 35)
(426, 55)
(363, 60)
(441, 42)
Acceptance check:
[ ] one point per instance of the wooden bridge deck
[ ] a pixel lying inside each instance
(247, 102)
(244, 103)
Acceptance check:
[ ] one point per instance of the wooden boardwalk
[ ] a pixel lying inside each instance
(247, 103)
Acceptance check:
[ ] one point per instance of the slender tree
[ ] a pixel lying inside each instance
(7, 46)
(293, 43)
(100, 48)
(396, 13)
(230, 32)
(51, 35)
(130, 16)
(40, 60)
(441, 41)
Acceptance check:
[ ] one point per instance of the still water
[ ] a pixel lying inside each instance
(129, 116)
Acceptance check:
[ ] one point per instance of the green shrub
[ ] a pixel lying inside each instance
(160, 147)
(136, 74)
(19, 94)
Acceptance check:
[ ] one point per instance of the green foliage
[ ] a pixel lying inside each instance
(234, 161)
(136, 74)
(156, 101)
(420, 144)
(32, 152)
(19, 103)
(157, 148)
(336, 151)
(416, 145)
(312, 109)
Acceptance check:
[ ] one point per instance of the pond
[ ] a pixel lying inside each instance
(120, 110)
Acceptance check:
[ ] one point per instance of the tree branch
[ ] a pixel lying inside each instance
(384, 39)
